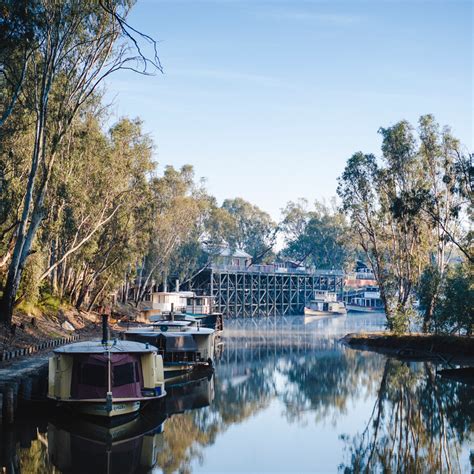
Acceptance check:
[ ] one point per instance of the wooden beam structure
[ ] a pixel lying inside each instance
(255, 294)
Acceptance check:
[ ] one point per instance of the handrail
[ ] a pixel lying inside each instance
(258, 268)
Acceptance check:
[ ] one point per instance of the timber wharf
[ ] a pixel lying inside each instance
(257, 290)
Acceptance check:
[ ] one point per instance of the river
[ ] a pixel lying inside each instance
(286, 396)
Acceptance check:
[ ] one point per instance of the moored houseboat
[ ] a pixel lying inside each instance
(324, 303)
(368, 301)
(201, 307)
(181, 345)
(106, 379)
(184, 305)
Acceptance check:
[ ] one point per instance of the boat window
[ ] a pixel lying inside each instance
(125, 374)
(92, 374)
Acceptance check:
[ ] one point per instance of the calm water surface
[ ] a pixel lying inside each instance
(285, 397)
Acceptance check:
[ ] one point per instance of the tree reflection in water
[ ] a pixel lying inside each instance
(418, 423)
(323, 384)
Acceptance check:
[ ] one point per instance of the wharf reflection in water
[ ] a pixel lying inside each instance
(309, 404)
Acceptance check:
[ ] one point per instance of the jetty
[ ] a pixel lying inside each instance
(264, 290)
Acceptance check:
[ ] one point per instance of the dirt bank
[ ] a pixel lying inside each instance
(414, 345)
(29, 330)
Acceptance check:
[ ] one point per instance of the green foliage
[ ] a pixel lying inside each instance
(30, 285)
(455, 309)
(251, 229)
(319, 238)
(405, 210)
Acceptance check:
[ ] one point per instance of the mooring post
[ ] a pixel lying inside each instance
(105, 328)
(26, 388)
(9, 404)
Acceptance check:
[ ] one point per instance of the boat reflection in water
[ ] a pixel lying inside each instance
(290, 398)
(81, 445)
(85, 446)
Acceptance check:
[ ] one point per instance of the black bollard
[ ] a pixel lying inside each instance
(105, 328)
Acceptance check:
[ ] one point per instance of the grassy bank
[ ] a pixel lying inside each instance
(413, 345)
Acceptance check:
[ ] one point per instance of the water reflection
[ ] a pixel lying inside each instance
(418, 423)
(287, 397)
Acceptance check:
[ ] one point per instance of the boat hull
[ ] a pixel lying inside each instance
(100, 409)
(363, 309)
(175, 370)
(314, 312)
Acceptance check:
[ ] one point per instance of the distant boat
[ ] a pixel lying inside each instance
(106, 379)
(367, 302)
(324, 303)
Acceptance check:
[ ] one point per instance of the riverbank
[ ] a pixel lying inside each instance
(415, 345)
(36, 328)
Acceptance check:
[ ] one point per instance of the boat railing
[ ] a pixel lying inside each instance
(257, 268)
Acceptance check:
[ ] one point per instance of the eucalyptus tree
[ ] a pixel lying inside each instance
(18, 25)
(253, 230)
(176, 210)
(205, 242)
(443, 203)
(296, 215)
(383, 208)
(405, 210)
(318, 237)
(95, 227)
(72, 48)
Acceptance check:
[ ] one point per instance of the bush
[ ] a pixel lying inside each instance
(455, 309)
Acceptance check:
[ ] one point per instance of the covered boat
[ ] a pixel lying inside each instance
(366, 301)
(324, 303)
(181, 345)
(106, 378)
(182, 306)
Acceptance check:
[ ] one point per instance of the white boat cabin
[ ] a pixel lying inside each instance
(369, 299)
(324, 296)
(161, 302)
(324, 302)
(199, 304)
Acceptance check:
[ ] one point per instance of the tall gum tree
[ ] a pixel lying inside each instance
(73, 47)
(405, 208)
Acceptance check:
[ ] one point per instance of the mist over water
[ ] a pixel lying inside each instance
(286, 396)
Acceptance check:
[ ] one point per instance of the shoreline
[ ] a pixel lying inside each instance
(414, 345)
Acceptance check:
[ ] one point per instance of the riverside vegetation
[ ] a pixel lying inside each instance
(84, 208)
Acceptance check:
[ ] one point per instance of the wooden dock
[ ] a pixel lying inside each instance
(246, 293)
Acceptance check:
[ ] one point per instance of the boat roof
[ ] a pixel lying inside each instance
(167, 335)
(96, 347)
(187, 330)
(193, 330)
(171, 323)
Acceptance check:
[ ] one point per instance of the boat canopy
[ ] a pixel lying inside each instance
(90, 380)
(96, 347)
(181, 342)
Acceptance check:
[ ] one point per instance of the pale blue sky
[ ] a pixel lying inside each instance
(268, 99)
